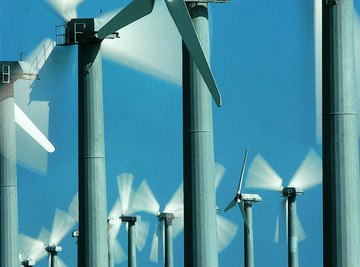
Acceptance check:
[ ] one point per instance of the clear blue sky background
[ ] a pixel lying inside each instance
(263, 61)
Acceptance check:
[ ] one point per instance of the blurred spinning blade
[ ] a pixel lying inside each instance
(126, 193)
(154, 253)
(145, 200)
(176, 203)
(262, 176)
(60, 263)
(141, 234)
(66, 9)
(31, 248)
(226, 231)
(219, 174)
(309, 174)
(62, 225)
(73, 210)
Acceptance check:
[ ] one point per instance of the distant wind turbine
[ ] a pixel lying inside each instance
(308, 175)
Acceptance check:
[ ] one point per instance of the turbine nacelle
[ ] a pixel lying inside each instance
(52, 249)
(130, 219)
(28, 263)
(291, 191)
(167, 217)
(248, 198)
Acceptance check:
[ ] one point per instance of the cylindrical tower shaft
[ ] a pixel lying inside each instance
(169, 258)
(248, 236)
(93, 241)
(131, 245)
(9, 251)
(293, 255)
(341, 215)
(198, 152)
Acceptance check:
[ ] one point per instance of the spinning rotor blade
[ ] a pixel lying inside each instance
(28, 126)
(31, 248)
(66, 9)
(300, 233)
(309, 174)
(132, 12)
(243, 213)
(115, 211)
(177, 226)
(145, 200)
(226, 231)
(141, 234)
(60, 262)
(176, 203)
(281, 225)
(219, 174)
(125, 182)
(231, 205)
(73, 210)
(62, 224)
(182, 19)
(44, 236)
(119, 253)
(154, 253)
(262, 176)
(242, 172)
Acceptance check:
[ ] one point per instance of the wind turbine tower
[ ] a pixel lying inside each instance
(340, 137)
(168, 217)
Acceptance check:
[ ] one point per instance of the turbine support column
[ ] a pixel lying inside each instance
(248, 236)
(9, 250)
(93, 241)
(168, 218)
(293, 255)
(131, 245)
(200, 246)
(341, 209)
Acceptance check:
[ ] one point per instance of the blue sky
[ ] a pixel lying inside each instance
(264, 63)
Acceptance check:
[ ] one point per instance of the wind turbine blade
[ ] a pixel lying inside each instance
(309, 174)
(73, 210)
(115, 211)
(132, 12)
(277, 229)
(154, 253)
(281, 226)
(44, 236)
(262, 176)
(219, 174)
(66, 9)
(141, 234)
(243, 214)
(176, 203)
(31, 248)
(177, 226)
(119, 253)
(145, 200)
(125, 182)
(230, 205)
(60, 263)
(300, 233)
(62, 224)
(318, 67)
(242, 172)
(226, 231)
(28, 126)
(182, 19)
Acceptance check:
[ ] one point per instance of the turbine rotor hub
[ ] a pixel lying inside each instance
(52, 249)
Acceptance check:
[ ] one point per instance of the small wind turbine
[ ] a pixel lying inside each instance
(245, 204)
(172, 216)
(31, 250)
(308, 175)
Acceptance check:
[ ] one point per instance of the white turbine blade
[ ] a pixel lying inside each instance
(28, 126)
(119, 253)
(176, 203)
(145, 200)
(281, 226)
(182, 19)
(114, 226)
(262, 176)
(243, 214)
(219, 174)
(62, 224)
(318, 67)
(154, 253)
(125, 181)
(31, 248)
(66, 9)
(157, 32)
(73, 210)
(141, 234)
(300, 233)
(230, 205)
(115, 211)
(277, 229)
(226, 231)
(60, 263)
(177, 226)
(131, 13)
(309, 174)
(242, 172)
(44, 236)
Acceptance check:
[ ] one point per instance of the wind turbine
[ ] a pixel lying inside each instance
(308, 175)
(170, 220)
(245, 204)
(11, 113)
